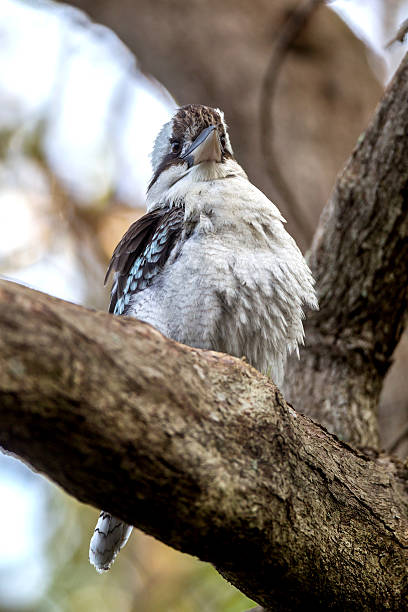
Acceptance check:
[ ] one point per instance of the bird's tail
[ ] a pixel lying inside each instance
(109, 537)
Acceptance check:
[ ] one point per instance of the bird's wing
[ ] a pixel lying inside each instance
(142, 253)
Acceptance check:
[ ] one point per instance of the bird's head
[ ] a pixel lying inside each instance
(193, 146)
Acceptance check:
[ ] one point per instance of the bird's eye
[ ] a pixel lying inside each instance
(176, 147)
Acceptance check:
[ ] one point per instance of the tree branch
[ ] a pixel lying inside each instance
(282, 43)
(201, 451)
(359, 259)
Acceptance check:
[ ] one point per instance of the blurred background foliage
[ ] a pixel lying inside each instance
(78, 115)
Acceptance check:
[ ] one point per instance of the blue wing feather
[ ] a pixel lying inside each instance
(142, 253)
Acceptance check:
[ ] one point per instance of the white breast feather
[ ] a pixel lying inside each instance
(240, 282)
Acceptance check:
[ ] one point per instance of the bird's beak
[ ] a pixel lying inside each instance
(206, 147)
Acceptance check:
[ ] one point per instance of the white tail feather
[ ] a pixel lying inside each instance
(109, 537)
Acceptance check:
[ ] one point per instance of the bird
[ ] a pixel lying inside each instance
(209, 265)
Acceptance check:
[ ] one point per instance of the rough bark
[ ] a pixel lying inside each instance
(359, 259)
(217, 52)
(201, 451)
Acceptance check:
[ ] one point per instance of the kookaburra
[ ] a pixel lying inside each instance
(210, 264)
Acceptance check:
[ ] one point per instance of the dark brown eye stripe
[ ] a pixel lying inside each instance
(168, 160)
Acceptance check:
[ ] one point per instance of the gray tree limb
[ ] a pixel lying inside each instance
(359, 258)
(201, 451)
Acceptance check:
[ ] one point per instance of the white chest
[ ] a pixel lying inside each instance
(238, 282)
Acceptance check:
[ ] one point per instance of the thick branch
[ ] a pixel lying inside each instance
(201, 451)
(359, 258)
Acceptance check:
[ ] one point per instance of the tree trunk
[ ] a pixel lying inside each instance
(359, 259)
